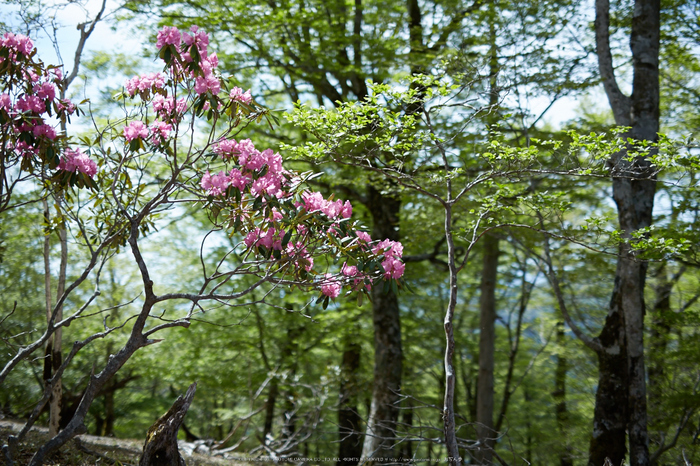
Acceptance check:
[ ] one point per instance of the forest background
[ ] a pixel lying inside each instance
(575, 322)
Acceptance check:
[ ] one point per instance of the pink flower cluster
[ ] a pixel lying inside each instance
(27, 97)
(200, 38)
(134, 130)
(393, 250)
(330, 286)
(76, 160)
(217, 184)
(270, 238)
(167, 108)
(144, 83)
(237, 94)
(172, 36)
(208, 82)
(160, 131)
(250, 160)
(16, 43)
(168, 36)
(314, 202)
(266, 191)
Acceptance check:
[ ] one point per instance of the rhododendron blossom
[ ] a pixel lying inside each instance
(160, 131)
(330, 287)
(76, 160)
(135, 130)
(393, 250)
(168, 36)
(45, 131)
(16, 43)
(144, 83)
(167, 108)
(237, 94)
(5, 102)
(46, 91)
(200, 38)
(31, 103)
(279, 220)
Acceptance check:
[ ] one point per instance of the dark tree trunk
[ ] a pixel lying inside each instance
(487, 341)
(406, 447)
(621, 358)
(610, 415)
(161, 448)
(272, 393)
(349, 421)
(381, 424)
(559, 395)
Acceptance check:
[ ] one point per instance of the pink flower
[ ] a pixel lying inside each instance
(215, 185)
(206, 83)
(31, 103)
(237, 94)
(58, 74)
(75, 160)
(168, 36)
(349, 270)
(135, 129)
(237, 179)
(346, 211)
(46, 91)
(252, 237)
(393, 248)
(300, 255)
(166, 106)
(225, 148)
(330, 287)
(144, 83)
(199, 37)
(66, 106)
(17, 42)
(44, 130)
(160, 132)
(363, 236)
(26, 150)
(213, 60)
(393, 267)
(5, 102)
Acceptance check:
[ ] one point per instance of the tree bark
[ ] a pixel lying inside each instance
(52, 356)
(487, 340)
(272, 393)
(559, 395)
(388, 357)
(161, 447)
(349, 421)
(621, 359)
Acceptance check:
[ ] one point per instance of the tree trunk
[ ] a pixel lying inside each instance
(487, 338)
(559, 395)
(621, 359)
(610, 415)
(161, 448)
(381, 423)
(272, 393)
(407, 448)
(52, 356)
(349, 422)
